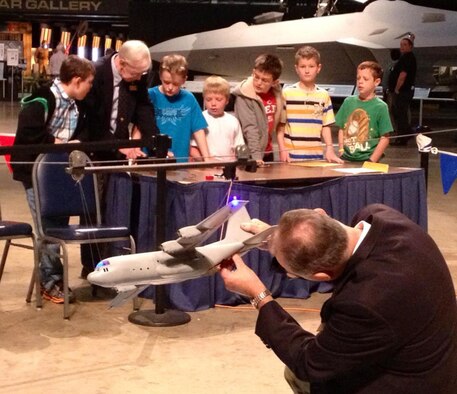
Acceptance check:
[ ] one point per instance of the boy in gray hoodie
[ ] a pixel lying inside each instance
(259, 106)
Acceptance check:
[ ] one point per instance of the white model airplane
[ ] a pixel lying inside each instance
(343, 40)
(180, 259)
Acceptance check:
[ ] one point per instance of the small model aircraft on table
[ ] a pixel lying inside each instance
(180, 259)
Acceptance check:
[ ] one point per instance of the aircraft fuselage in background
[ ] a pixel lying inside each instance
(343, 40)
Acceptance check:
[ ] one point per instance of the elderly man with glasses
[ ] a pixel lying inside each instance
(119, 98)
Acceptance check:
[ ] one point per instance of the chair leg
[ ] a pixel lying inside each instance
(4, 255)
(35, 280)
(28, 299)
(66, 305)
(136, 301)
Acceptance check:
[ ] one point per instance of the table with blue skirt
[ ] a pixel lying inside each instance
(271, 192)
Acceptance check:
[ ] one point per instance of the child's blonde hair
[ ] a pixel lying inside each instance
(217, 85)
(376, 69)
(174, 64)
(308, 52)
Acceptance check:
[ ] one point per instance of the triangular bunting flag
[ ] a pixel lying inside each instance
(448, 164)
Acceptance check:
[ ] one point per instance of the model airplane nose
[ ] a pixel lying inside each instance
(92, 277)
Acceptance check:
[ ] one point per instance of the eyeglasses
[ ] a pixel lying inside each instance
(131, 71)
(262, 78)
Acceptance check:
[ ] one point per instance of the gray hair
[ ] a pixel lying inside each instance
(309, 242)
(136, 53)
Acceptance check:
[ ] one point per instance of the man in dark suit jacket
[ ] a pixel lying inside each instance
(391, 322)
(119, 97)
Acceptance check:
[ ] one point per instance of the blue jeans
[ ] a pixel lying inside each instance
(51, 268)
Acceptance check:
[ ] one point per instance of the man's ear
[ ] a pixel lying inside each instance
(321, 276)
(320, 211)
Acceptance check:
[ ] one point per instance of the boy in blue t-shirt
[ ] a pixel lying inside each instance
(177, 111)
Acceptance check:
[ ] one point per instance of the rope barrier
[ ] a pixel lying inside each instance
(143, 162)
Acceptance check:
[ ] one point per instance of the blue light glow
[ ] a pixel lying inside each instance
(101, 264)
(234, 202)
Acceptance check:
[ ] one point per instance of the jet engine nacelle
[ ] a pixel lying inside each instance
(172, 247)
(189, 232)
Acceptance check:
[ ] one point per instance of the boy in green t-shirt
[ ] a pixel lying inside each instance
(364, 120)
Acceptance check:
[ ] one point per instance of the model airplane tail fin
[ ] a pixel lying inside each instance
(234, 231)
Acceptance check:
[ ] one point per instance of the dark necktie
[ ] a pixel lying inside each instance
(122, 111)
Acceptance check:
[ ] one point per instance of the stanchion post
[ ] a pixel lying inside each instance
(160, 317)
(424, 159)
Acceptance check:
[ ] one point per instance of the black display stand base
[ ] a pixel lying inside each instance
(166, 319)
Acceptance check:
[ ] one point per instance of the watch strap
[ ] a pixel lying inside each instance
(259, 297)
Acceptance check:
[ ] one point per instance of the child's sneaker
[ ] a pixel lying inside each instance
(55, 294)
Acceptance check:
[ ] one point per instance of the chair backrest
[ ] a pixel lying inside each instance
(58, 194)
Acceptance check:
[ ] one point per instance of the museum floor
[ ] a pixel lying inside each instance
(100, 351)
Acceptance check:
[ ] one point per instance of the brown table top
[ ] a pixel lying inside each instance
(273, 173)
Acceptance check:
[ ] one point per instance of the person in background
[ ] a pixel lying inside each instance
(224, 131)
(177, 111)
(109, 52)
(53, 115)
(389, 81)
(364, 119)
(56, 60)
(391, 321)
(42, 59)
(403, 77)
(309, 113)
(259, 106)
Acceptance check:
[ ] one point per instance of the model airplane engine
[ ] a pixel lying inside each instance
(189, 232)
(173, 248)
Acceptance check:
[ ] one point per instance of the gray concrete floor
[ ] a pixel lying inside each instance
(100, 351)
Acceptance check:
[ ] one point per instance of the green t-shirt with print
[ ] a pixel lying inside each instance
(363, 123)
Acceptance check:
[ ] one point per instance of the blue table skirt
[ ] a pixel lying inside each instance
(189, 204)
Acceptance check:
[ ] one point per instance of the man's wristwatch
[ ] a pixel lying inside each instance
(259, 297)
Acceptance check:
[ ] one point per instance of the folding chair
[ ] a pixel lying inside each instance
(58, 195)
(11, 231)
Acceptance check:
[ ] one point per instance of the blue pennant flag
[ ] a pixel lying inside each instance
(448, 164)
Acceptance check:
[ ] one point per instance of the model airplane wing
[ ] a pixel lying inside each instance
(191, 236)
(125, 295)
(259, 240)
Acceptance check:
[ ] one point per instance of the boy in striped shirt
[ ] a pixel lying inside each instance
(309, 114)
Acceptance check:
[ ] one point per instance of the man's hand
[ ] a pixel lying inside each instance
(239, 278)
(255, 226)
(132, 153)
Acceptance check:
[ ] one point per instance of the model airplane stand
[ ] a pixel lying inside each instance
(160, 316)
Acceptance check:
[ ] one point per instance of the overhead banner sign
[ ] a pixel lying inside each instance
(96, 7)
